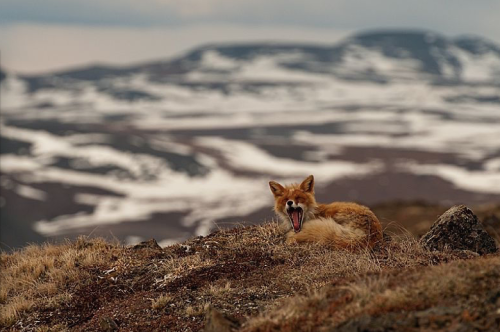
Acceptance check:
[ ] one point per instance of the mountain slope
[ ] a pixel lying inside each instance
(380, 56)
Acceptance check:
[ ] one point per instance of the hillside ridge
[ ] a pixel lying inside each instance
(249, 279)
(429, 54)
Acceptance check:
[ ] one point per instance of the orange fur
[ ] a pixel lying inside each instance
(338, 224)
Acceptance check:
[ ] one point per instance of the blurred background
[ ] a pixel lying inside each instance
(166, 119)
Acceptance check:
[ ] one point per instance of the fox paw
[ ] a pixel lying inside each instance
(290, 238)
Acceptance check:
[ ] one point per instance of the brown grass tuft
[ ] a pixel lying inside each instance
(217, 290)
(161, 302)
(40, 275)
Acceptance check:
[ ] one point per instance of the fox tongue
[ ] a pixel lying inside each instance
(296, 220)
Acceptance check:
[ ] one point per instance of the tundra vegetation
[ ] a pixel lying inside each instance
(247, 278)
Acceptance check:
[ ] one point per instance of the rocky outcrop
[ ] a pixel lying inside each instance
(149, 244)
(458, 229)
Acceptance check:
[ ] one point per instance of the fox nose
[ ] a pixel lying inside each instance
(290, 203)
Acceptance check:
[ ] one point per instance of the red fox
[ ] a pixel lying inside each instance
(338, 224)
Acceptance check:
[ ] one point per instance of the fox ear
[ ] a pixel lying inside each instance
(276, 188)
(308, 184)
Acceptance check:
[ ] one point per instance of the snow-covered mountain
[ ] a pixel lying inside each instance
(164, 149)
(378, 56)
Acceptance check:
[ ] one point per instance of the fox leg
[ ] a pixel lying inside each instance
(290, 238)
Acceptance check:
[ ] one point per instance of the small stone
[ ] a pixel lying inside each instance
(216, 322)
(186, 248)
(107, 324)
(150, 244)
(458, 229)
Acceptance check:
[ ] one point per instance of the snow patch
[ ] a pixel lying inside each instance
(477, 181)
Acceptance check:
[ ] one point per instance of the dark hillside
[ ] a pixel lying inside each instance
(250, 275)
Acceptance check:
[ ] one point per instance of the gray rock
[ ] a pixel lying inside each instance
(458, 229)
(150, 244)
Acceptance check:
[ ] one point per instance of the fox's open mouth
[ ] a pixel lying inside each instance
(295, 215)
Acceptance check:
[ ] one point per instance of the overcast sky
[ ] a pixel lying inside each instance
(44, 35)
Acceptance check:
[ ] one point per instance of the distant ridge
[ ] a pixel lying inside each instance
(380, 55)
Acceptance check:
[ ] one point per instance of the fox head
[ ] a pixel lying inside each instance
(294, 203)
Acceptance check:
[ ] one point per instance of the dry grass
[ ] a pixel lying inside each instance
(55, 328)
(218, 290)
(161, 302)
(383, 293)
(176, 267)
(314, 265)
(197, 310)
(42, 275)
(249, 273)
